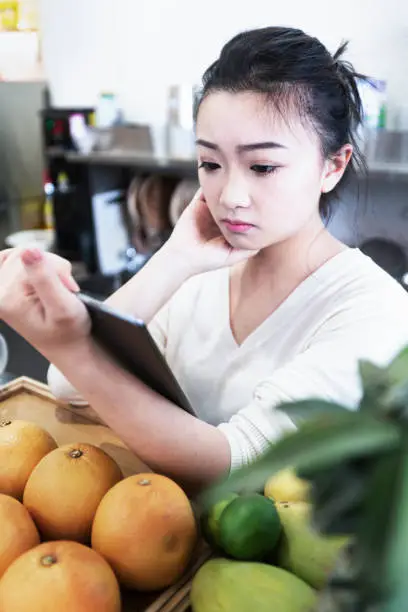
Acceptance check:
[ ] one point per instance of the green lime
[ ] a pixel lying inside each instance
(249, 527)
(210, 520)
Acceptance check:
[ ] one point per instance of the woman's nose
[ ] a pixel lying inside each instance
(235, 195)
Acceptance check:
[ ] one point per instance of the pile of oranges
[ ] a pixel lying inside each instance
(74, 530)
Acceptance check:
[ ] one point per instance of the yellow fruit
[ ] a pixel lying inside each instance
(146, 529)
(210, 520)
(303, 551)
(65, 489)
(22, 446)
(287, 486)
(222, 585)
(59, 577)
(17, 529)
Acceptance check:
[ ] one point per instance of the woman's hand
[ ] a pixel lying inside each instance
(198, 238)
(37, 299)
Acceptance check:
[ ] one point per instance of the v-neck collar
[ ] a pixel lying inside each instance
(302, 290)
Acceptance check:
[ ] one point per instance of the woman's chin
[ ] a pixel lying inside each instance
(242, 241)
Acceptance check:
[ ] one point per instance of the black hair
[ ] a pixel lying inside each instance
(295, 70)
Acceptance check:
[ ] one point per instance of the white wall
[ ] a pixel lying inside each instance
(138, 47)
(19, 57)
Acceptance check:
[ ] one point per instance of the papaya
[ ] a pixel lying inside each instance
(302, 550)
(224, 585)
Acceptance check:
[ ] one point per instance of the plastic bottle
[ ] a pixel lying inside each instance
(48, 210)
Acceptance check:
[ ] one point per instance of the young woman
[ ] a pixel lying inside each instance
(252, 301)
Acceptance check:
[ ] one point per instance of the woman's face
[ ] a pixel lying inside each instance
(262, 175)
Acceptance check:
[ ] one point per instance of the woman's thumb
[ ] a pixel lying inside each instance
(30, 257)
(34, 256)
(43, 277)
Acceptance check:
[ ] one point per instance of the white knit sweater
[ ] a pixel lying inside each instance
(309, 347)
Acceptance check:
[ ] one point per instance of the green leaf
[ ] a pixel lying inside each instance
(385, 389)
(373, 533)
(337, 494)
(397, 370)
(396, 394)
(396, 561)
(395, 399)
(375, 384)
(310, 409)
(316, 444)
(372, 376)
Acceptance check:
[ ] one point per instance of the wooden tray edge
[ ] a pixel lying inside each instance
(177, 597)
(34, 387)
(29, 385)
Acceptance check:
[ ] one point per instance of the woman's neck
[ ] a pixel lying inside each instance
(294, 259)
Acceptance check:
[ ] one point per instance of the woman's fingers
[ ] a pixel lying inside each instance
(44, 279)
(69, 282)
(62, 266)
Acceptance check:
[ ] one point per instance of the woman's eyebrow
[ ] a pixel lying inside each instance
(269, 144)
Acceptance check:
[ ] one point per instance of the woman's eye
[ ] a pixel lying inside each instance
(264, 168)
(209, 166)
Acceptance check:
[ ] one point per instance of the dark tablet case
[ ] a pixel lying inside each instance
(129, 342)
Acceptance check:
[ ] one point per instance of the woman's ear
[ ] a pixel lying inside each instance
(335, 167)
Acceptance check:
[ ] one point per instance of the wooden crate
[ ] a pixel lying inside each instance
(29, 400)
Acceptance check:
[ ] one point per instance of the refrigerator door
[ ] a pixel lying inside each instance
(21, 155)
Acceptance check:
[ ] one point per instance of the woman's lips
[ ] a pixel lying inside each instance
(237, 227)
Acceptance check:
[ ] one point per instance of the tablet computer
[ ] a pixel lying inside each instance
(130, 343)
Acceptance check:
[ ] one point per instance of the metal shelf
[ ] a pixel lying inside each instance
(394, 168)
(150, 162)
(138, 159)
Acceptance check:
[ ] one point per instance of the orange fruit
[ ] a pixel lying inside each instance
(146, 530)
(65, 488)
(18, 531)
(22, 446)
(59, 577)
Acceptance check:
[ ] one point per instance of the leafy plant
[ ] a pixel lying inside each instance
(357, 463)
